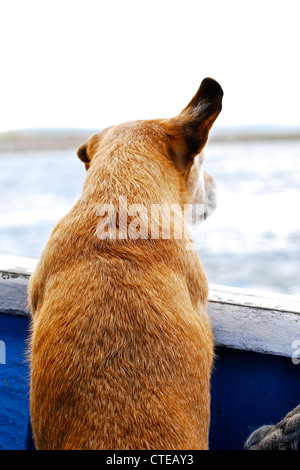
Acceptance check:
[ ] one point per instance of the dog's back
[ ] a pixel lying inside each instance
(121, 346)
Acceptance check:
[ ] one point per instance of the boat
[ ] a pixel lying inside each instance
(255, 378)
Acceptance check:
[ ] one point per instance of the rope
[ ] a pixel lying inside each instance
(284, 435)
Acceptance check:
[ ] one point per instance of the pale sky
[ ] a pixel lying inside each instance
(93, 63)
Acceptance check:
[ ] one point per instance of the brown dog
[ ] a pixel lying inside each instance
(121, 345)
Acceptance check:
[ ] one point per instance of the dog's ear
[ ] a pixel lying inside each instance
(189, 130)
(82, 153)
(87, 150)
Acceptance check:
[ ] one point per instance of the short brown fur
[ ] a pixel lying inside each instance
(121, 344)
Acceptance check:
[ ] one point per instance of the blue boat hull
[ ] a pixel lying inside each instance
(248, 390)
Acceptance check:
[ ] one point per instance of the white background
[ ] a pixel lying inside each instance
(94, 63)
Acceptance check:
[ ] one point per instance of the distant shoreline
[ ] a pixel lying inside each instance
(31, 140)
(62, 139)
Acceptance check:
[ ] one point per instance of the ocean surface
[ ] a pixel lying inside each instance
(252, 240)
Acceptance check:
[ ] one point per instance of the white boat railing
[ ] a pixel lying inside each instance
(241, 319)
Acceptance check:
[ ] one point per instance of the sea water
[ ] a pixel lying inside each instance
(252, 239)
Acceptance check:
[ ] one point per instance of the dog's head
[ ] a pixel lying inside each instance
(180, 140)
